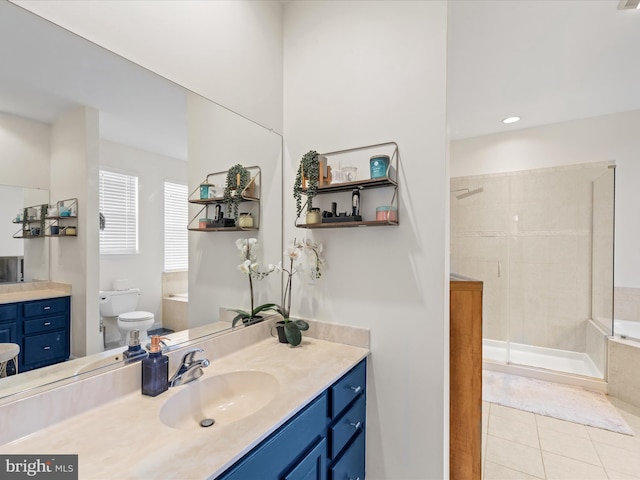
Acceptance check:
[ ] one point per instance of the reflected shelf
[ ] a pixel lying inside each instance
(222, 229)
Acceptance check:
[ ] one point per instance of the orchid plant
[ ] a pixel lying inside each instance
(296, 254)
(247, 250)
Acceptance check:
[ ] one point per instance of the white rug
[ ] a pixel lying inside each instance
(566, 402)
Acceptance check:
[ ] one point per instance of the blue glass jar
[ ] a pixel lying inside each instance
(378, 165)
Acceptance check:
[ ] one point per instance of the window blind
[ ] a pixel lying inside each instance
(176, 219)
(118, 195)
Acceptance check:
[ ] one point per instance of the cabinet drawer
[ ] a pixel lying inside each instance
(44, 347)
(8, 312)
(45, 307)
(348, 388)
(352, 463)
(45, 324)
(349, 424)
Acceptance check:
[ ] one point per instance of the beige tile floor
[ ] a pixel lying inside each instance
(522, 445)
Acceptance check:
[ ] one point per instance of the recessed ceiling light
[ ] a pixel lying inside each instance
(511, 120)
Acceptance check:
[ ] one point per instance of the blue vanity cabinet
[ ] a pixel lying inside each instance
(324, 441)
(45, 332)
(41, 328)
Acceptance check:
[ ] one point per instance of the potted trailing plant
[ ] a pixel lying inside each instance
(309, 168)
(295, 254)
(238, 178)
(247, 248)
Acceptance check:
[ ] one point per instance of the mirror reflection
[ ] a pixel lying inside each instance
(72, 116)
(21, 260)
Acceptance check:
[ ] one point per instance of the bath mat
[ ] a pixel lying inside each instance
(565, 402)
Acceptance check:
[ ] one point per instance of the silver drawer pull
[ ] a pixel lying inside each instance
(356, 425)
(46, 348)
(357, 478)
(47, 308)
(46, 324)
(356, 389)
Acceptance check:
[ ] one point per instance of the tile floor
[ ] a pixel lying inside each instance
(522, 445)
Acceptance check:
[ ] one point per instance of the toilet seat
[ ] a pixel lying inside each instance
(139, 316)
(137, 320)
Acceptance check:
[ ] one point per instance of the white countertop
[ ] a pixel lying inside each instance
(126, 439)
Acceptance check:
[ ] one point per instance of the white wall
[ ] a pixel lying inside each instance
(74, 173)
(24, 152)
(144, 269)
(609, 137)
(359, 73)
(229, 51)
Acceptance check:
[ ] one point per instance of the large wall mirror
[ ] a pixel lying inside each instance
(147, 127)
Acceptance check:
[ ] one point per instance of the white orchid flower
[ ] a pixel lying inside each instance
(277, 267)
(245, 267)
(292, 253)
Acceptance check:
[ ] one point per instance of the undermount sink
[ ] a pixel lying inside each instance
(223, 398)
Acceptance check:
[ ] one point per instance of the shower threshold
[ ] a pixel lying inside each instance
(545, 363)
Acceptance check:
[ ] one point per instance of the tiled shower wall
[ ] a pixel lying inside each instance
(527, 236)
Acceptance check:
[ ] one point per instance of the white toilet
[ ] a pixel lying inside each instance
(122, 305)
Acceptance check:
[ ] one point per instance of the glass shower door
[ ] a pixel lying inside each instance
(551, 250)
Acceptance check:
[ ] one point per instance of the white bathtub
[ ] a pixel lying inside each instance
(181, 296)
(174, 311)
(629, 329)
(618, 354)
(624, 356)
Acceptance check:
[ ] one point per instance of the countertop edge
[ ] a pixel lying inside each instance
(26, 296)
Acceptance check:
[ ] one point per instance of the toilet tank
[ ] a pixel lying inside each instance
(116, 302)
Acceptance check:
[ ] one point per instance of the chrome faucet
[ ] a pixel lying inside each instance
(189, 369)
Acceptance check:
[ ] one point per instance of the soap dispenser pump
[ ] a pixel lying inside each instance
(135, 351)
(155, 370)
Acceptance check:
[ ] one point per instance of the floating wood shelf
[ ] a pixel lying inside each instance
(364, 223)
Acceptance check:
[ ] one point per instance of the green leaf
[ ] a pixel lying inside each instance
(238, 317)
(302, 325)
(262, 308)
(282, 311)
(292, 332)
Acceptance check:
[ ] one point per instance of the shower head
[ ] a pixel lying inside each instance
(468, 192)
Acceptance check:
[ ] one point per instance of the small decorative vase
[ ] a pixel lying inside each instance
(279, 326)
